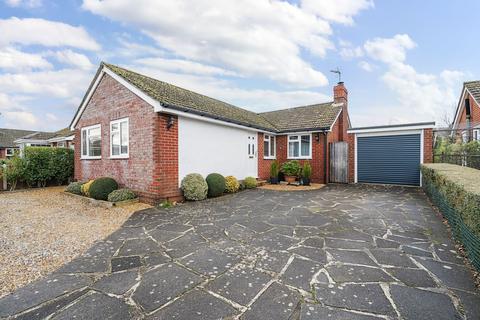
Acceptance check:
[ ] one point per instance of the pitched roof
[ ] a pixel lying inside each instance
(174, 97)
(38, 135)
(65, 132)
(310, 117)
(8, 136)
(474, 89)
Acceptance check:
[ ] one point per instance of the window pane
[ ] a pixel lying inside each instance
(124, 137)
(84, 142)
(114, 126)
(265, 148)
(305, 146)
(293, 149)
(94, 142)
(115, 144)
(293, 137)
(272, 146)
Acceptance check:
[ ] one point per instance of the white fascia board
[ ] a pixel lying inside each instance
(459, 107)
(388, 133)
(36, 141)
(63, 138)
(392, 128)
(336, 118)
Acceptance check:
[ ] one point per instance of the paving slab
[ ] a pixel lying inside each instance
(156, 259)
(416, 304)
(311, 253)
(319, 312)
(349, 256)
(184, 245)
(117, 283)
(360, 297)
(346, 244)
(413, 251)
(300, 273)
(413, 277)
(139, 247)
(96, 306)
(351, 273)
(125, 263)
(161, 285)
(315, 242)
(277, 302)
(209, 262)
(272, 260)
(273, 241)
(196, 305)
(384, 243)
(470, 303)
(392, 258)
(240, 285)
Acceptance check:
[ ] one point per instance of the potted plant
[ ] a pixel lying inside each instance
(274, 172)
(291, 169)
(306, 173)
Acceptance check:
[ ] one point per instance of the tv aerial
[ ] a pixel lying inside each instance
(338, 72)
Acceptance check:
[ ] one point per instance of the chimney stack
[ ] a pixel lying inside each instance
(340, 93)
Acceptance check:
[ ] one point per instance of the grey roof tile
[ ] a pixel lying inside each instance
(474, 88)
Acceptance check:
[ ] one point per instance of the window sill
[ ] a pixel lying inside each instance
(119, 157)
(91, 158)
(299, 158)
(269, 158)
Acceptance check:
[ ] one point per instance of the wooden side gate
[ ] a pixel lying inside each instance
(338, 162)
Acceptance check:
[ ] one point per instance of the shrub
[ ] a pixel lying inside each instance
(102, 187)
(250, 182)
(75, 188)
(121, 195)
(45, 164)
(14, 171)
(61, 165)
(307, 170)
(274, 170)
(216, 184)
(231, 184)
(194, 187)
(291, 168)
(86, 188)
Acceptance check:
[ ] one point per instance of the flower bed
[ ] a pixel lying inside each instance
(455, 191)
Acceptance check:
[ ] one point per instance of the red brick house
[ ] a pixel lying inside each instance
(467, 116)
(148, 134)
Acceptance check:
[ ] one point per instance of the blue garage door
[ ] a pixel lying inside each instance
(389, 159)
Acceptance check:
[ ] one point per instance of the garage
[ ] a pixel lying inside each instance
(390, 154)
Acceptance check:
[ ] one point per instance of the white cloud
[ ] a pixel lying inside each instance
(350, 53)
(421, 95)
(14, 115)
(366, 66)
(24, 3)
(32, 31)
(12, 59)
(341, 11)
(74, 59)
(252, 37)
(183, 66)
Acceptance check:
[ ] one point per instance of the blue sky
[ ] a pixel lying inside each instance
(402, 61)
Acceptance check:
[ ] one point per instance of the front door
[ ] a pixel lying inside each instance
(252, 155)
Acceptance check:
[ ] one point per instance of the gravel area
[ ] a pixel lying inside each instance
(42, 229)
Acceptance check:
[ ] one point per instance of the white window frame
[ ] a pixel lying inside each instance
(87, 157)
(268, 138)
(299, 135)
(121, 155)
(11, 154)
(476, 135)
(464, 136)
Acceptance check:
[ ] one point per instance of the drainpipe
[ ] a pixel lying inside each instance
(325, 156)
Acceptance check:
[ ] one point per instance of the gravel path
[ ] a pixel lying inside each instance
(42, 229)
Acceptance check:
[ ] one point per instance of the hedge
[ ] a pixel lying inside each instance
(454, 190)
(40, 166)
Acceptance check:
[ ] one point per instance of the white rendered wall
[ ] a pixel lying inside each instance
(205, 148)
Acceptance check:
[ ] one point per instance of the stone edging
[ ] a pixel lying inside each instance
(101, 203)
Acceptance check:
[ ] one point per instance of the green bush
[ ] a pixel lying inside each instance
(121, 195)
(61, 165)
(274, 170)
(231, 184)
(75, 188)
(307, 170)
(45, 164)
(291, 168)
(250, 182)
(194, 187)
(102, 187)
(216, 184)
(86, 188)
(14, 171)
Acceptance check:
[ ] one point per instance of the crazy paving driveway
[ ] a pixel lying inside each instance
(342, 252)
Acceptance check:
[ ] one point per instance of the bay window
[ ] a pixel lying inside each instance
(300, 146)
(268, 147)
(119, 136)
(91, 142)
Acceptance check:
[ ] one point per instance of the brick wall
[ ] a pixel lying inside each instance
(474, 114)
(428, 146)
(3, 153)
(150, 158)
(351, 158)
(263, 164)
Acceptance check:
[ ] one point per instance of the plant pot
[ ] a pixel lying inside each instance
(306, 181)
(290, 179)
(274, 180)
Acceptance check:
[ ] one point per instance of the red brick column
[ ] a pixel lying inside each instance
(351, 157)
(427, 145)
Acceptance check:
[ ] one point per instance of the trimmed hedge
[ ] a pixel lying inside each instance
(216, 184)
(454, 190)
(86, 188)
(121, 195)
(102, 187)
(231, 184)
(75, 188)
(250, 182)
(194, 187)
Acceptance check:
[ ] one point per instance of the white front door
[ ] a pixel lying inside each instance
(252, 155)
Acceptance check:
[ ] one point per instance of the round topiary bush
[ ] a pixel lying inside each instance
(231, 184)
(86, 188)
(75, 188)
(121, 195)
(194, 187)
(102, 187)
(250, 182)
(216, 184)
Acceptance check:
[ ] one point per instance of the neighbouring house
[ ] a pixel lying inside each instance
(148, 134)
(8, 147)
(62, 139)
(466, 123)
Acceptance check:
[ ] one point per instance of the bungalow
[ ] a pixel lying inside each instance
(467, 115)
(7, 141)
(148, 134)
